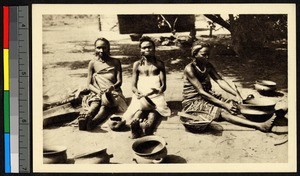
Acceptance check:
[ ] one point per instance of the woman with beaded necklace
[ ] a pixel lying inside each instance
(198, 96)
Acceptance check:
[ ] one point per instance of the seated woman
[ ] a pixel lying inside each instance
(149, 79)
(198, 96)
(104, 75)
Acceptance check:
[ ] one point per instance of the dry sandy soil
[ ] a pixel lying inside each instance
(67, 49)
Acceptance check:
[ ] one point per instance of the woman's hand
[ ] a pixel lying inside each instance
(111, 88)
(154, 91)
(231, 108)
(139, 94)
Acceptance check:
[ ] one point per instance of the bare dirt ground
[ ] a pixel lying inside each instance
(67, 49)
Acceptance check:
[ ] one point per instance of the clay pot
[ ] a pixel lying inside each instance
(54, 154)
(98, 157)
(135, 37)
(260, 104)
(146, 104)
(258, 110)
(107, 99)
(116, 123)
(265, 86)
(257, 115)
(149, 149)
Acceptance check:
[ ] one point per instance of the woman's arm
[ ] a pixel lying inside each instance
(162, 77)
(118, 72)
(221, 82)
(135, 76)
(189, 73)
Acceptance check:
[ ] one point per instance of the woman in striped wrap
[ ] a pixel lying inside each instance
(198, 95)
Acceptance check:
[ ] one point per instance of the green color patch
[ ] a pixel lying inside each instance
(6, 112)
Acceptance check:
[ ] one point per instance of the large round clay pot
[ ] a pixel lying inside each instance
(98, 157)
(149, 149)
(260, 104)
(257, 115)
(146, 103)
(54, 154)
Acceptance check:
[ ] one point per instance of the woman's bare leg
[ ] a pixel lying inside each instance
(100, 117)
(151, 122)
(85, 115)
(264, 126)
(94, 108)
(135, 125)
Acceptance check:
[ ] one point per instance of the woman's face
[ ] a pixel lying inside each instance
(203, 54)
(101, 48)
(147, 49)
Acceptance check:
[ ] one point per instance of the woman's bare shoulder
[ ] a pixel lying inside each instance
(91, 62)
(188, 67)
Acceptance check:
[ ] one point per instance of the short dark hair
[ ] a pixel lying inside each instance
(146, 39)
(104, 40)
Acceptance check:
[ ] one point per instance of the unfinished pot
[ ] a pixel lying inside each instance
(146, 103)
(260, 104)
(54, 154)
(98, 157)
(108, 99)
(149, 150)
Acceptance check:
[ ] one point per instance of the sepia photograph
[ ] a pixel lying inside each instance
(164, 88)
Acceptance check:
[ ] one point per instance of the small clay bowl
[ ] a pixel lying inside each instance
(116, 123)
(265, 86)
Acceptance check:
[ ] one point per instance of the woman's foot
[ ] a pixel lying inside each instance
(82, 122)
(89, 124)
(267, 125)
(148, 129)
(136, 130)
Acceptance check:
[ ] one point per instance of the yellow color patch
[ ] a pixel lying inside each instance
(6, 68)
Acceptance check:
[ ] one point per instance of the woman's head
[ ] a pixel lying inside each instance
(147, 46)
(102, 47)
(201, 52)
(197, 47)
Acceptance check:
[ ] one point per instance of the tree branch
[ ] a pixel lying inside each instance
(219, 20)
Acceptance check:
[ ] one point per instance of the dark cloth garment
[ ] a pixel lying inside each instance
(194, 102)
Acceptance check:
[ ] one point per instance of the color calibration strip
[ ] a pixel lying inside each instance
(16, 89)
(7, 161)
